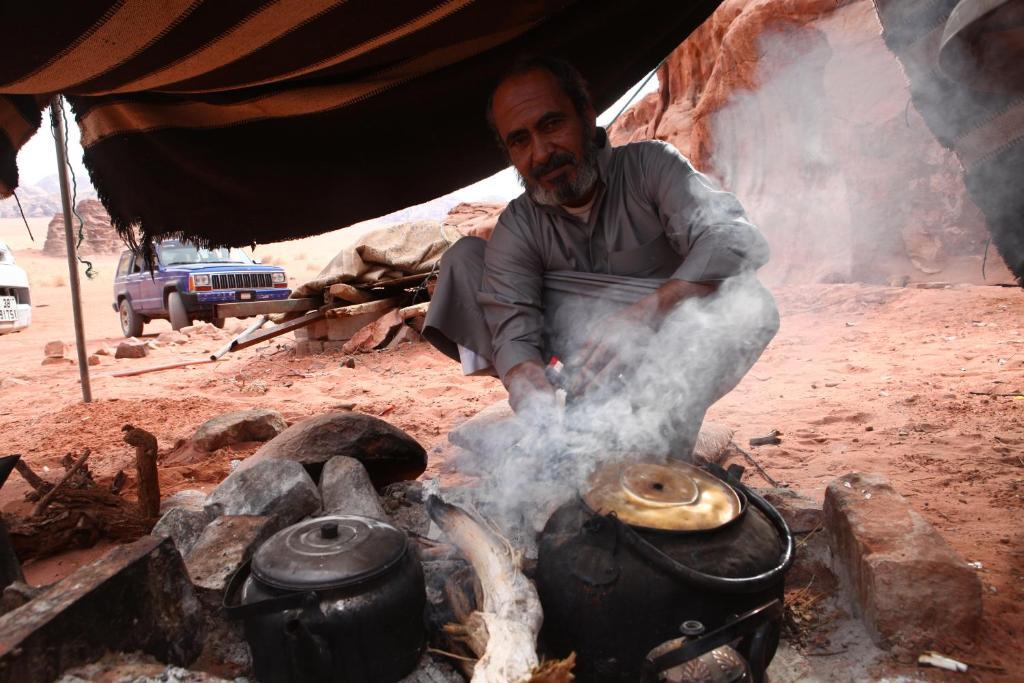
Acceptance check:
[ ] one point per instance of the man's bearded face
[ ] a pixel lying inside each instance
(550, 144)
(569, 188)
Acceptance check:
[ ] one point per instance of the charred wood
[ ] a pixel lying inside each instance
(503, 628)
(77, 518)
(40, 485)
(72, 470)
(145, 469)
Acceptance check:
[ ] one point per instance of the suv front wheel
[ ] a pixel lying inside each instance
(176, 311)
(131, 323)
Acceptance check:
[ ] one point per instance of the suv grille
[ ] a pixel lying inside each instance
(241, 280)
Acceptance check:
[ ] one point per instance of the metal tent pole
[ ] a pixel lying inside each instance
(57, 119)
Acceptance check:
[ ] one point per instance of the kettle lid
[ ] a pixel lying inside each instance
(663, 496)
(328, 552)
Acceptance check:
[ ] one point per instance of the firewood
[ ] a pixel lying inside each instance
(77, 518)
(40, 485)
(377, 306)
(503, 632)
(414, 311)
(45, 500)
(346, 293)
(145, 468)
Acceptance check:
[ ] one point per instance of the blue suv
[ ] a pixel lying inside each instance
(185, 282)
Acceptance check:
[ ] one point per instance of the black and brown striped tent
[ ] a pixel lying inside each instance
(241, 121)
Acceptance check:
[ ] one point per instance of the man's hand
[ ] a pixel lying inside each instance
(529, 391)
(600, 359)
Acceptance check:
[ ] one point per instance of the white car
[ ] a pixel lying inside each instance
(15, 304)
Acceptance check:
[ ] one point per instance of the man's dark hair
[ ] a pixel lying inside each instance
(569, 79)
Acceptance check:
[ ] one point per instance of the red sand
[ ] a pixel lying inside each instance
(902, 362)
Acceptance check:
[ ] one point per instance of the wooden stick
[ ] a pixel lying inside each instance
(145, 469)
(410, 312)
(45, 500)
(158, 368)
(504, 630)
(346, 293)
(771, 439)
(378, 306)
(405, 281)
(40, 485)
(749, 458)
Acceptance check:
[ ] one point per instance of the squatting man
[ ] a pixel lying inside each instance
(624, 263)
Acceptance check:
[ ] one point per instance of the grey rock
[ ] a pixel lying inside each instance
(280, 489)
(128, 349)
(223, 547)
(432, 669)
(183, 526)
(119, 667)
(345, 489)
(387, 453)
(190, 499)
(255, 424)
(802, 514)
(403, 502)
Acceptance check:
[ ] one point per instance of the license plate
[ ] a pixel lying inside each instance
(8, 309)
(244, 296)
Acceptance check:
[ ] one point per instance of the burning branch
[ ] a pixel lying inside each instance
(504, 633)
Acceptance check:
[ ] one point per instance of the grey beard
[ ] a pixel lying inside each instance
(566, 192)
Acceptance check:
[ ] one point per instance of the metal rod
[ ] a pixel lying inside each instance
(277, 330)
(260, 321)
(57, 119)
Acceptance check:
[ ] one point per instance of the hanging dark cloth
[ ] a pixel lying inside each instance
(254, 121)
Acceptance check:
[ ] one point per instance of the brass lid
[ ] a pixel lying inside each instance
(669, 496)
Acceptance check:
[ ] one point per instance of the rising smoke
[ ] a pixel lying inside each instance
(836, 166)
(652, 412)
(842, 175)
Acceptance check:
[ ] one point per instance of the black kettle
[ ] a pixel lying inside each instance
(332, 600)
(612, 592)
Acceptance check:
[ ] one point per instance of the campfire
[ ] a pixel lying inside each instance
(300, 565)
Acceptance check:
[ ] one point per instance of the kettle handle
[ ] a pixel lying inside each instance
(277, 604)
(746, 584)
(749, 625)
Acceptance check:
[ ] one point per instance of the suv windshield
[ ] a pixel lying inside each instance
(180, 254)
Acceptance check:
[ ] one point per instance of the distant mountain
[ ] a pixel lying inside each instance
(51, 183)
(43, 198)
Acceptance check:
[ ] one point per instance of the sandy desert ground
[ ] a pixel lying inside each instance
(923, 385)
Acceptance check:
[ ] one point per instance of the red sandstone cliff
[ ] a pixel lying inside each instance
(99, 236)
(799, 108)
